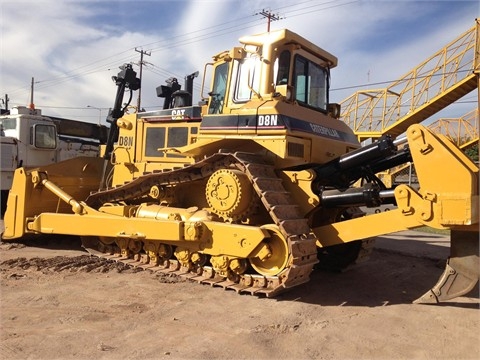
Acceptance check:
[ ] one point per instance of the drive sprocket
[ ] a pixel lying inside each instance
(229, 194)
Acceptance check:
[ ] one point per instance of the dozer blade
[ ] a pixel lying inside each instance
(462, 271)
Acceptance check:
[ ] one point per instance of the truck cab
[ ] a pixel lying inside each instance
(28, 139)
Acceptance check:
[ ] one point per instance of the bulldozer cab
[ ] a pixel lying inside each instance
(272, 68)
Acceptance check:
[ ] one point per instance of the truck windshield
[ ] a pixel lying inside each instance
(8, 124)
(311, 84)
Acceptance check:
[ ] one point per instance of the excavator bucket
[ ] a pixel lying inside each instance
(462, 270)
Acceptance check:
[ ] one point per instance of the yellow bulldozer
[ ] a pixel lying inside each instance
(256, 185)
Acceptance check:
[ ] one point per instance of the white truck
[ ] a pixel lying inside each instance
(29, 139)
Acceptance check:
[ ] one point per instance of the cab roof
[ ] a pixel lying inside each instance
(285, 37)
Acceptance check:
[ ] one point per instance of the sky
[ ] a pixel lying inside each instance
(73, 48)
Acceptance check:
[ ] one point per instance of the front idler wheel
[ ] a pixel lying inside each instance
(271, 256)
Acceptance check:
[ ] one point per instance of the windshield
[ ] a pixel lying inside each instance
(248, 78)
(8, 124)
(8, 127)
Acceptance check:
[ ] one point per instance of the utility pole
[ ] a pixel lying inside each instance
(271, 17)
(32, 105)
(140, 75)
(6, 102)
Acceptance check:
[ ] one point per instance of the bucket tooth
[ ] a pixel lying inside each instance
(462, 271)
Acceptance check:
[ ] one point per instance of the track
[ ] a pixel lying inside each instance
(302, 250)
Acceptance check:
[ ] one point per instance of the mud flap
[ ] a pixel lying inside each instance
(462, 271)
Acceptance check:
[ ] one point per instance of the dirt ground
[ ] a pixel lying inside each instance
(59, 303)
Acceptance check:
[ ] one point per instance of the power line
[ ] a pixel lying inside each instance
(311, 9)
(244, 23)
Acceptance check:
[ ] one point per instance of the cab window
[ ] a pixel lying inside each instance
(282, 68)
(43, 136)
(219, 88)
(310, 81)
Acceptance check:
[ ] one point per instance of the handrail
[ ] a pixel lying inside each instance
(463, 131)
(371, 112)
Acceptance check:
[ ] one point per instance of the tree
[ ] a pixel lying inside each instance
(472, 152)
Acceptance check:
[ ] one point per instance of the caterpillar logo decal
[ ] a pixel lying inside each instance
(178, 114)
(267, 120)
(322, 130)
